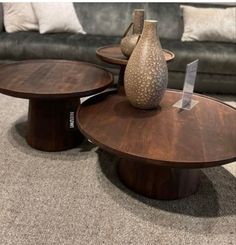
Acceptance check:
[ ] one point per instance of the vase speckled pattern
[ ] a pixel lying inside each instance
(146, 74)
(129, 42)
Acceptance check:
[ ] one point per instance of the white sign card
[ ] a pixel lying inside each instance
(186, 102)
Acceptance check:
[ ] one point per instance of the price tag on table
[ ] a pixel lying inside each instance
(186, 102)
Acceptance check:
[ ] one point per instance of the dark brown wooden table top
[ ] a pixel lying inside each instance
(112, 54)
(205, 136)
(53, 79)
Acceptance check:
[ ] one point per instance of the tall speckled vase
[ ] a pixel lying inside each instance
(146, 74)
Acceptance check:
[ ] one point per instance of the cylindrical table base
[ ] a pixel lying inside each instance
(164, 183)
(121, 76)
(51, 124)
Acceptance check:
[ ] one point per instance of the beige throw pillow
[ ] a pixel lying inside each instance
(19, 17)
(209, 24)
(57, 17)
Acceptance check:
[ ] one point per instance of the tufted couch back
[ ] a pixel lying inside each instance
(111, 19)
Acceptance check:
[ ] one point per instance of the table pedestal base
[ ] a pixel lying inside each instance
(121, 76)
(158, 182)
(51, 124)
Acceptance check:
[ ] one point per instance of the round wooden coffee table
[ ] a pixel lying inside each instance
(161, 150)
(54, 89)
(112, 54)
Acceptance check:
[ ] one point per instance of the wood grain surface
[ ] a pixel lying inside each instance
(54, 88)
(53, 79)
(112, 54)
(202, 137)
(51, 124)
(163, 183)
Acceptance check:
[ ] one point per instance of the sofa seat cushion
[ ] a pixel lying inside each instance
(214, 57)
(32, 45)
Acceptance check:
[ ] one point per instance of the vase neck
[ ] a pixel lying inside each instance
(138, 19)
(150, 28)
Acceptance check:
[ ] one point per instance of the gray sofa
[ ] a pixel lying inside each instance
(105, 24)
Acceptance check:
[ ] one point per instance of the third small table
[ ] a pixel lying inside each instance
(112, 54)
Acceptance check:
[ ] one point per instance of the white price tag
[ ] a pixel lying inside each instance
(189, 82)
(186, 102)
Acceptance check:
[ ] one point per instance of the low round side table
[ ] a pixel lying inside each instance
(112, 54)
(161, 150)
(53, 88)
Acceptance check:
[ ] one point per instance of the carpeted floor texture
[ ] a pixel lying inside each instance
(76, 197)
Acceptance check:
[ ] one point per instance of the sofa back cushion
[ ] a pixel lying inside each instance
(113, 18)
(105, 18)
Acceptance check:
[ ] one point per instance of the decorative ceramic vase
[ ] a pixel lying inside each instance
(146, 73)
(129, 42)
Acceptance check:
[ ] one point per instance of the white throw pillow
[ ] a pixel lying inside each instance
(209, 24)
(19, 17)
(57, 17)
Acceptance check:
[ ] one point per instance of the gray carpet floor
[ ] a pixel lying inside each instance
(76, 197)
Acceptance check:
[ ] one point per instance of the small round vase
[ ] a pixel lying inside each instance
(129, 42)
(146, 74)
